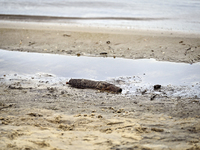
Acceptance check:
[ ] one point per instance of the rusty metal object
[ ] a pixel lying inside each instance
(99, 85)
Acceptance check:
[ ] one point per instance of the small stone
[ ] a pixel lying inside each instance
(51, 89)
(68, 35)
(5, 123)
(92, 114)
(120, 110)
(143, 92)
(157, 130)
(108, 42)
(103, 53)
(2, 118)
(170, 117)
(153, 96)
(111, 108)
(79, 115)
(157, 86)
(99, 116)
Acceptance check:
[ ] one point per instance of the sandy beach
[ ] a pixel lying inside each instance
(92, 41)
(39, 115)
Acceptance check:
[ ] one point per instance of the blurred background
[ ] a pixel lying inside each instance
(172, 15)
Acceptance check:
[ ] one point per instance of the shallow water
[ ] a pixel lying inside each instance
(132, 75)
(99, 68)
(155, 14)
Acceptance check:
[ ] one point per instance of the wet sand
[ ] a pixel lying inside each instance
(40, 115)
(94, 41)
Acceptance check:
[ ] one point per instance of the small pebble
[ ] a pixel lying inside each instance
(108, 42)
(99, 116)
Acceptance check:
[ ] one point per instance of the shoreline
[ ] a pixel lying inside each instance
(96, 28)
(56, 18)
(38, 114)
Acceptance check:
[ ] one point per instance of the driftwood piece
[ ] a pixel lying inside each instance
(99, 85)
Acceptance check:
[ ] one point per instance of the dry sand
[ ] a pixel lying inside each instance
(39, 115)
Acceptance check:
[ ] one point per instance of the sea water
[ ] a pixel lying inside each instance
(175, 15)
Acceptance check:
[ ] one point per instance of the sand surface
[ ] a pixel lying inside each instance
(91, 41)
(35, 114)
